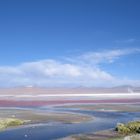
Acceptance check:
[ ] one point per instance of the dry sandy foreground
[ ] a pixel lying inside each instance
(102, 135)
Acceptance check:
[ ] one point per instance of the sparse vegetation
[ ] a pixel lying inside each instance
(10, 122)
(129, 128)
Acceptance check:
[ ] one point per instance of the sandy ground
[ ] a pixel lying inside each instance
(102, 135)
(42, 116)
(106, 107)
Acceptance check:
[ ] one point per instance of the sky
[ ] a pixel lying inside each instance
(69, 43)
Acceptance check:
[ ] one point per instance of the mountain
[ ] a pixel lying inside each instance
(80, 90)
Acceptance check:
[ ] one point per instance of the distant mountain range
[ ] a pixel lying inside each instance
(81, 90)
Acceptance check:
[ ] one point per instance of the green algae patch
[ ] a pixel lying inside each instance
(10, 122)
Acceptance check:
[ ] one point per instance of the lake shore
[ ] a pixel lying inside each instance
(72, 112)
(114, 107)
(38, 116)
(110, 134)
(101, 135)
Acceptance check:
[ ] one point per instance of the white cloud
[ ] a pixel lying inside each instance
(82, 70)
(107, 56)
(51, 73)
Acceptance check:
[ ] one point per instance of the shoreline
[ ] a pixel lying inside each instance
(44, 117)
(37, 116)
(108, 134)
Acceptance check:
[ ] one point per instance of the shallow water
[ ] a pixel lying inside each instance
(50, 131)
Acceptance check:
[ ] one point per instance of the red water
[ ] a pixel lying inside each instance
(15, 103)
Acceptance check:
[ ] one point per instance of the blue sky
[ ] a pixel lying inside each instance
(58, 43)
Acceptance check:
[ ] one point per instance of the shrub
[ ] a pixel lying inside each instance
(129, 128)
(5, 123)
